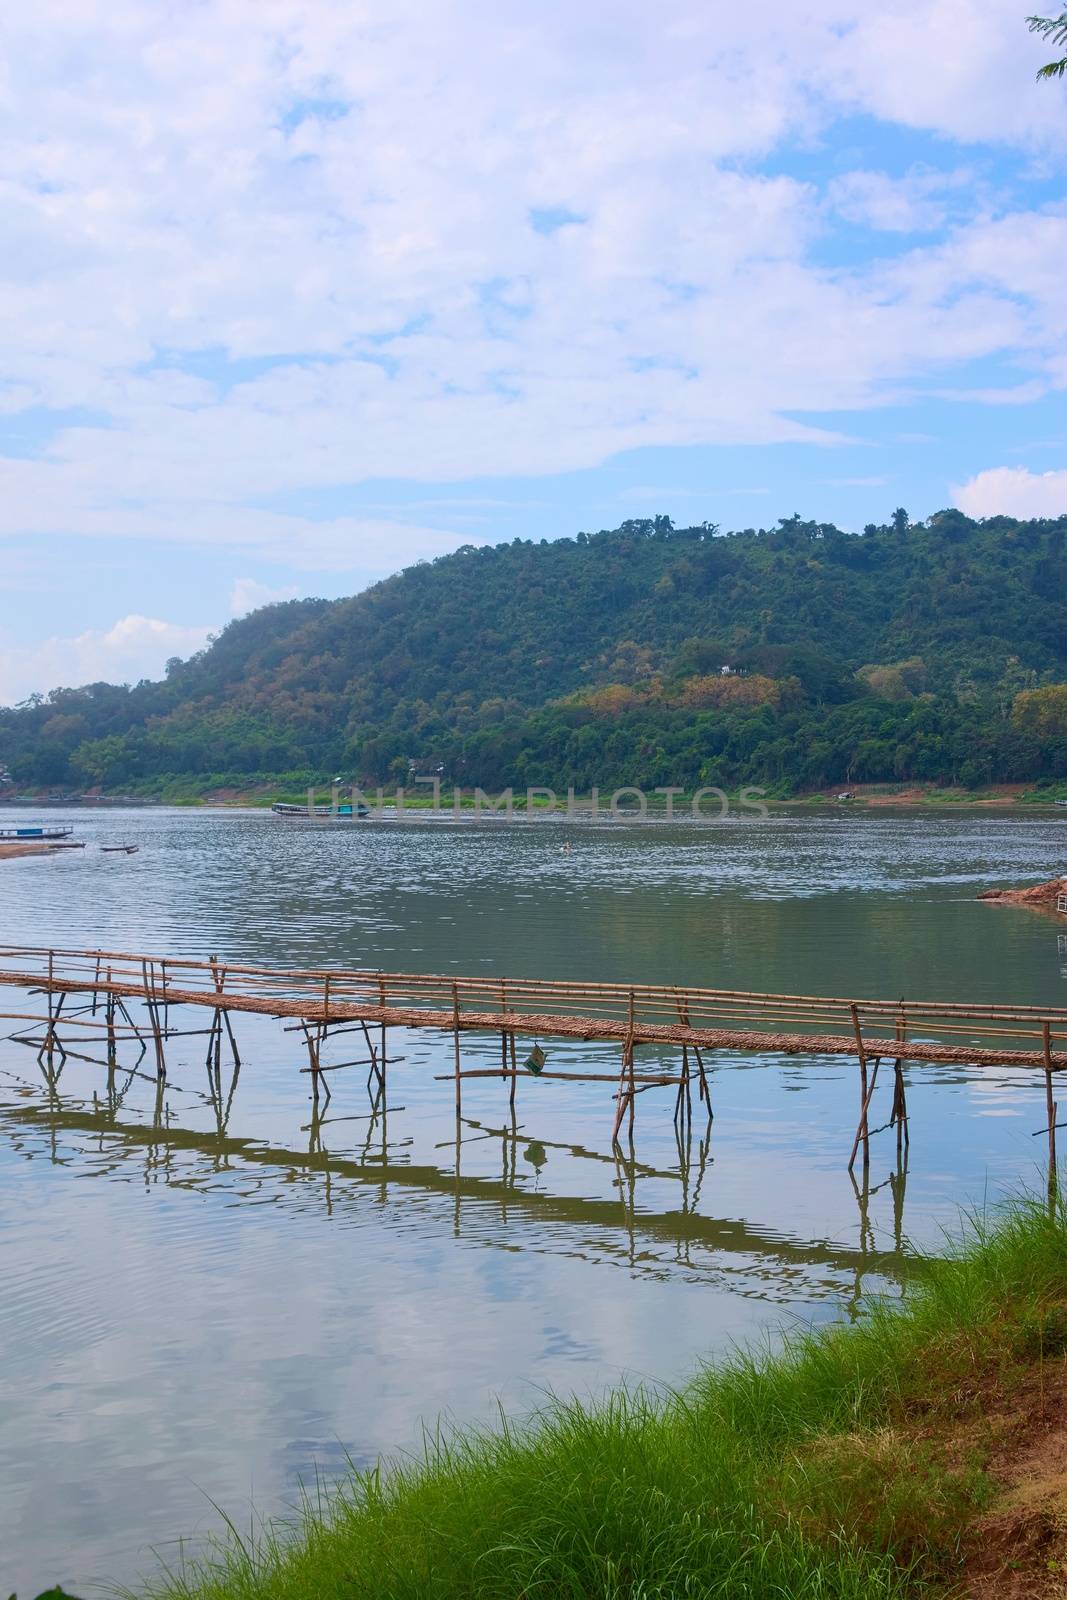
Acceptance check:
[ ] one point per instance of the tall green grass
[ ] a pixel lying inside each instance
(794, 1473)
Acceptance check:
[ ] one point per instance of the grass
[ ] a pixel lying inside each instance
(847, 1463)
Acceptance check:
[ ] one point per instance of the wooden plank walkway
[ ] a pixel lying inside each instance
(646, 1013)
(688, 1019)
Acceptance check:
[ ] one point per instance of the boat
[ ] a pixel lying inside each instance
(120, 849)
(346, 810)
(14, 835)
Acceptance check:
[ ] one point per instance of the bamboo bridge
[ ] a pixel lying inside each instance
(88, 995)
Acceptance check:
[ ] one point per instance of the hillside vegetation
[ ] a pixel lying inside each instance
(934, 652)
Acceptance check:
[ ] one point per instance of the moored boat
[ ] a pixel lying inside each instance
(345, 810)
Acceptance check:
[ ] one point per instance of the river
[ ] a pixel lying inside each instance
(209, 1300)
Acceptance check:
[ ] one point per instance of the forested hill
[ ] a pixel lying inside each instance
(935, 652)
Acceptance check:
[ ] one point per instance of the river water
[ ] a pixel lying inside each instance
(211, 1299)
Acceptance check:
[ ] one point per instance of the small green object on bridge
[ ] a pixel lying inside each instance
(535, 1060)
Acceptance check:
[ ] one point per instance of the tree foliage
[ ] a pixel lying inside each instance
(1054, 29)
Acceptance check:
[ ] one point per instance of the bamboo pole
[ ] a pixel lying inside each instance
(1051, 1108)
(645, 1079)
(311, 1041)
(109, 1014)
(381, 999)
(861, 1126)
(680, 1103)
(458, 1074)
(620, 1102)
(630, 1053)
(625, 1093)
(49, 1036)
(153, 1017)
(899, 1115)
(232, 1039)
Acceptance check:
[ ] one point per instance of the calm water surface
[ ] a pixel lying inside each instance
(210, 1299)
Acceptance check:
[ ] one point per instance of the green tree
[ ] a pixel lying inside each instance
(1054, 29)
(1042, 711)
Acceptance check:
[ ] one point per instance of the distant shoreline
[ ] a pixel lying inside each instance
(861, 797)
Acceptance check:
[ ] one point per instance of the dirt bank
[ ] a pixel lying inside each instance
(1039, 894)
(26, 848)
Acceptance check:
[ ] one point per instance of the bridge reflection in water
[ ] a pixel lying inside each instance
(654, 1221)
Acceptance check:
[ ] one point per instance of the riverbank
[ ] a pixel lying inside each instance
(262, 792)
(1039, 896)
(8, 852)
(923, 1450)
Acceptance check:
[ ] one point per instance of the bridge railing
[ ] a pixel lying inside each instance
(329, 991)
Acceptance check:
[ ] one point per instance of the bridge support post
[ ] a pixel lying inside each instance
(683, 1106)
(221, 1016)
(504, 1047)
(626, 1094)
(681, 1003)
(313, 1040)
(898, 1117)
(232, 1039)
(620, 1101)
(705, 1087)
(632, 1084)
(109, 1019)
(153, 1017)
(862, 1127)
(53, 1011)
(375, 1072)
(455, 1029)
(384, 1057)
(1050, 1105)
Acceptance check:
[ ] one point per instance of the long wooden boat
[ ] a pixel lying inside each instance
(345, 810)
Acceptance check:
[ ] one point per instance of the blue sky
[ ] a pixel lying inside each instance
(294, 296)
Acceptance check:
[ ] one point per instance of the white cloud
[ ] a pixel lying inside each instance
(249, 594)
(1012, 394)
(270, 252)
(134, 647)
(912, 204)
(1013, 492)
